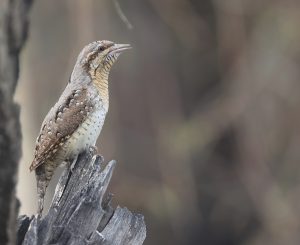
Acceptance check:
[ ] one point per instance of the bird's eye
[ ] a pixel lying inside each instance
(101, 48)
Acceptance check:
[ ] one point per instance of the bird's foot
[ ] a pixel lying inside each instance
(101, 158)
(71, 163)
(93, 150)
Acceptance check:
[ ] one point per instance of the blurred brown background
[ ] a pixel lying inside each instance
(204, 116)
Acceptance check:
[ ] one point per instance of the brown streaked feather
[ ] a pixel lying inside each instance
(60, 124)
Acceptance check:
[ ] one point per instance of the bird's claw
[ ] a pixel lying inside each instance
(93, 149)
(71, 163)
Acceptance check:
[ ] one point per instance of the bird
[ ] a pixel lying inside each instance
(74, 123)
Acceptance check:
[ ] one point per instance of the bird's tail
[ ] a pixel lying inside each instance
(42, 184)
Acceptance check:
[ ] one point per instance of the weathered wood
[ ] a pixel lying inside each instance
(13, 33)
(81, 214)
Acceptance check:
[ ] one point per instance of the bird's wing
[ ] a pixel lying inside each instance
(60, 123)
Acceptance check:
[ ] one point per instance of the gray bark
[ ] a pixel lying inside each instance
(13, 33)
(80, 212)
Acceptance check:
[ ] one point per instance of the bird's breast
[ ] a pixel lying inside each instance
(86, 135)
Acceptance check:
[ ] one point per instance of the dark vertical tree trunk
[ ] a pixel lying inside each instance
(13, 33)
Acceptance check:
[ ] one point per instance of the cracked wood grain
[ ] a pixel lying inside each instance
(81, 212)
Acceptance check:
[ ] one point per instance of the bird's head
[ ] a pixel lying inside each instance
(98, 57)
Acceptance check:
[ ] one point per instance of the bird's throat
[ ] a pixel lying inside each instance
(100, 79)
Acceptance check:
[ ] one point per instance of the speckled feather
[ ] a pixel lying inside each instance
(76, 120)
(61, 122)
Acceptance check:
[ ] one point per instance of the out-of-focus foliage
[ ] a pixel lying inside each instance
(204, 116)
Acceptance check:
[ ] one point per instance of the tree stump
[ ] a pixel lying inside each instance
(80, 212)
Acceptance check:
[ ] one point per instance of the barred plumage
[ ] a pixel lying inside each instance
(76, 120)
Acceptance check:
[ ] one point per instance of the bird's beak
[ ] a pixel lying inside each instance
(118, 48)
